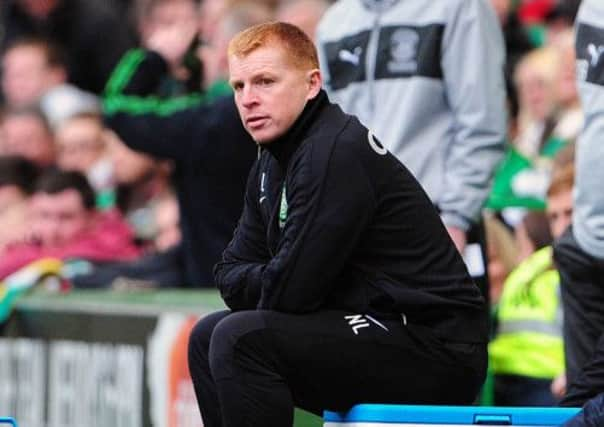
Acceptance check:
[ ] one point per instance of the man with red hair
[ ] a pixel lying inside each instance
(342, 283)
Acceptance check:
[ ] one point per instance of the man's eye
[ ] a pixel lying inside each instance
(266, 82)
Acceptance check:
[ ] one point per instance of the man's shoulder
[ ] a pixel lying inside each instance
(345, 138)
(333, 126)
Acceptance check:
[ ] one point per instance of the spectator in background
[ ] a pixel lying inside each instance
(527, 355)
(33, 73)
(161, 267)
(30, 67)
(560, 18)
(212, 10)
(140, 181)
(532, 234)
(92, 34)
(535, 79)
(209, 17)
(205, 139)
(81, 146)
(579, 253)
(179, 18)
(25, 132)
(408, 71)
(65, 225)
(522, 178)
(213, 52)
(17, 177)
(304, 14)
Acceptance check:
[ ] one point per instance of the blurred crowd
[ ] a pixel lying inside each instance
(80, 181)
(63, 63)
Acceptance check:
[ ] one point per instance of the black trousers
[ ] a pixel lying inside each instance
(582, 289)
(250, 368)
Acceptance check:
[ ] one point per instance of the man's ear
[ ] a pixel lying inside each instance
(315, 81)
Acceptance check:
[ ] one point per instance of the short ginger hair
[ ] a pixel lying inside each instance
(562, 180)
(298, 47)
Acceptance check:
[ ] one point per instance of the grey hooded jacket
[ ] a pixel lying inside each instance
(588, 217)
(426, 76)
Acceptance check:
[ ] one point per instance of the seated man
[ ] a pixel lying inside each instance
(342, 282)
(65, 225)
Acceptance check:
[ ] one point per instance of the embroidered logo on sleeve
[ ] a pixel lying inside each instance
(283, 208)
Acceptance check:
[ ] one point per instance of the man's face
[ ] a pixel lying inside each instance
(170, 14)
(559, 212)
(58, 219)
(270, 92)
(27, 136)
(25, 75)
(534, 92)
(79, 144)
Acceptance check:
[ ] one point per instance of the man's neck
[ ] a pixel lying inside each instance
(283, 147)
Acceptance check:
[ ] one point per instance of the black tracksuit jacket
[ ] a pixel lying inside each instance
(333, 221)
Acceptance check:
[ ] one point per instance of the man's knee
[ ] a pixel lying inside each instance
(201, 334)
(227, 339)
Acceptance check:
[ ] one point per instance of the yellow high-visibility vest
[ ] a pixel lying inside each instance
(529, 335)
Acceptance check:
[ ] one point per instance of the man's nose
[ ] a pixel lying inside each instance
(248, 97)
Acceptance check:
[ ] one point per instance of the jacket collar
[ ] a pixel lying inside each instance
(283, 148)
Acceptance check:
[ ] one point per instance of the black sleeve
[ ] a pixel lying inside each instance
(169, 137)
(180, 133)
(164, 127)
(138, 73)
(239, 274)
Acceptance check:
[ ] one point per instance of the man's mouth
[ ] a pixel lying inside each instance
(256, 121)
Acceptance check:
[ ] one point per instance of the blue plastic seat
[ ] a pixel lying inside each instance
(393, 415)
(7, 421)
